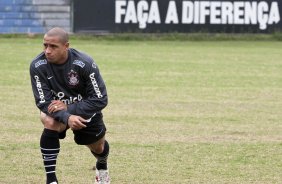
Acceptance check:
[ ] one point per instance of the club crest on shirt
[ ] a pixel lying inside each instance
(73, 78)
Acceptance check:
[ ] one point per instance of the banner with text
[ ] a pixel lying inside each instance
(156, 16)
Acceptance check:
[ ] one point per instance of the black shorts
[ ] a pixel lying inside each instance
(94, 131)
(90, 134)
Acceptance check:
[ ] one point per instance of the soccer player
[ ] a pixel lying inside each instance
(70, 93)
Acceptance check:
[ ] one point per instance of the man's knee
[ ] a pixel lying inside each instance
(51, 123)
(97, 147)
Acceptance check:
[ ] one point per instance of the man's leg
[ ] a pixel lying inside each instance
(50, 146)
(100, 150)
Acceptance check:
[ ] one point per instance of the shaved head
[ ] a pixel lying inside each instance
(56, 45)
(60, 33)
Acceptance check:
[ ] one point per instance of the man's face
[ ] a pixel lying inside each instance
(55, 51)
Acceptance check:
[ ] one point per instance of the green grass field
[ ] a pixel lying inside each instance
(179, 112)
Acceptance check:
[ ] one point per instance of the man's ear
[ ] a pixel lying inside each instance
(67, 45)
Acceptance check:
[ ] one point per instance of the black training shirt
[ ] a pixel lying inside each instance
(77, 83)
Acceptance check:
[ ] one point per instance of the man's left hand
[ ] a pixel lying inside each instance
(56, 105)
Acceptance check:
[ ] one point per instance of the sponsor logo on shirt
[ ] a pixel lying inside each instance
(39, 89)
(95, 85)
(62, 97)
(94, 65)
(79, 63)
(40, 62)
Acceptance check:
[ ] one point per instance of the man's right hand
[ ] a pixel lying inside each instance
(76, 122)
